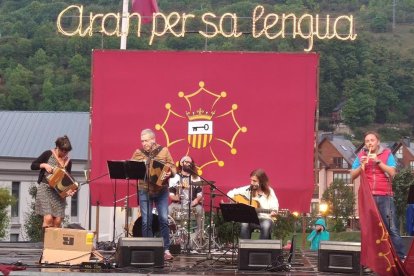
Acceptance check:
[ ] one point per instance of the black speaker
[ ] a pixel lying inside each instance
(339, 257)
(258, 254)
(140, 252)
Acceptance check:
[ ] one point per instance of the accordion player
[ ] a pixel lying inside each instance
(62, 182)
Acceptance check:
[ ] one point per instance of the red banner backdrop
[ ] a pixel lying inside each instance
(232, 112)
(377, 250)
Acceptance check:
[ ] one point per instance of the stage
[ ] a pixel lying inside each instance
(26, 256)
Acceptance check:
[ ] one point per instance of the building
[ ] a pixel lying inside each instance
(24, 135)
(404, 152)
(335, 157)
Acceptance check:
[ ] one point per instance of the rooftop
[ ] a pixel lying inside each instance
(29, 133)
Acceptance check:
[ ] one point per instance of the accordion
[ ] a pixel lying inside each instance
(62, 182)
(157, 172)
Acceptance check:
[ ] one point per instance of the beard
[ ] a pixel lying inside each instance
(187, 169)
(255, 187)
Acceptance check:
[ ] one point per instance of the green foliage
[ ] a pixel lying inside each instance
(284, 225)
(401, 184)
(43, 70)
(341, 200)
(325, 125)
(6, 199)
(33, 222)
(227, 232)
(348, 236)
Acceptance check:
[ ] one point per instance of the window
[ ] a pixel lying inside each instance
(340, 162)
(14, 237)
(412, 165)
(346, 177)
(399, 153)
(74, 205)
(314, 207)
(15, 194)
(315, 191)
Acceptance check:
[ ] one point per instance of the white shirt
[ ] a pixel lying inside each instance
(176, 181)
(266, 202)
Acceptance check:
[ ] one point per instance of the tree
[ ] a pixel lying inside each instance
(401, 184)
(341, 201)
(33, 223)
(19, 98)
(359, 110)
(285, 225)
(6, 199)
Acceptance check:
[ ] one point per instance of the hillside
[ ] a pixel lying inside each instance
(41, 69)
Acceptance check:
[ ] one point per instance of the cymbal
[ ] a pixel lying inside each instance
(202, 183)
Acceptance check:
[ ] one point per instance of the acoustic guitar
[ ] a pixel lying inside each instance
(242, 199)
(255, 203)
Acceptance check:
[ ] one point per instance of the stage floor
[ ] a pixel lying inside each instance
(26, 256)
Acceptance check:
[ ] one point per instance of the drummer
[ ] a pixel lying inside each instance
(180, 189)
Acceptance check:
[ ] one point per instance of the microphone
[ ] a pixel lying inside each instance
(250, 188)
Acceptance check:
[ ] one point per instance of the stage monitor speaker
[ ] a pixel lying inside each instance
(339, 257)
(258, 254)
(140, 252)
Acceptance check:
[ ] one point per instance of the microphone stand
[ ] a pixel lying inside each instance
(212, 188)
(146, 180)
(190, 197)
(250, 195)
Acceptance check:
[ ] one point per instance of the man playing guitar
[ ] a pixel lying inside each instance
(260, 195)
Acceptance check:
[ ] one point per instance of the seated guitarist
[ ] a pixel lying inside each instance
(257, 194)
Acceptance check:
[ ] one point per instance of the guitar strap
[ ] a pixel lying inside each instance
(57, 159)
(153, 153)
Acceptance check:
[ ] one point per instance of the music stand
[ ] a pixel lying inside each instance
(238, 212)
(135, 169)
(125, 169)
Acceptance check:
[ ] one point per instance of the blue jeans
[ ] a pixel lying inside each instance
(265, 227)
(386, 208)
(161, 203)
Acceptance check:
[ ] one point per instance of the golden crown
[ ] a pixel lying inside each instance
(200, 114)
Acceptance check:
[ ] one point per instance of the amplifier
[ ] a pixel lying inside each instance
(258, 254)
(339, 257)
(140, 252)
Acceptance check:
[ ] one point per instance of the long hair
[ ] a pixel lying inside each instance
(263, 180)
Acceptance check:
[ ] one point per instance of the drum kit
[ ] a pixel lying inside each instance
(179, 234)
(183, 228)
(195, 239)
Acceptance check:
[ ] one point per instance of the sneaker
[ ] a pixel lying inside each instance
(367, 270)
(168, 256)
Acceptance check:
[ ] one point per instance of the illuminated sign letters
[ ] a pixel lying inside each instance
(263, 25)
